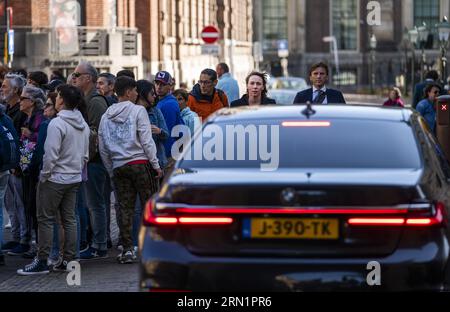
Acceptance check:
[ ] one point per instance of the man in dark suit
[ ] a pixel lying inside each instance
(319, 93)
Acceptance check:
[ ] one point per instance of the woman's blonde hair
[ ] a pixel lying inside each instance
(397, 90)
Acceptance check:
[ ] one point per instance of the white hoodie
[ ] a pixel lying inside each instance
(66, 148)
(125, 135)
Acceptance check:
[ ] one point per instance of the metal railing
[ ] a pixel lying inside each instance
(129, 42)
(92, 42)
(95, 41)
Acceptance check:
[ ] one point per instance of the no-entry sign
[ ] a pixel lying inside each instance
(210, 34)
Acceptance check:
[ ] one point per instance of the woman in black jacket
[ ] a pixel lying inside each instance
(256, 91)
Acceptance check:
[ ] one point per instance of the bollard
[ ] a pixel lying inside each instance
(443, 123)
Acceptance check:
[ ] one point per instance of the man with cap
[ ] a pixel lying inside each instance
(168, 105)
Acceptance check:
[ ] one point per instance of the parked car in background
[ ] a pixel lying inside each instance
(283, 96)
(289, 83)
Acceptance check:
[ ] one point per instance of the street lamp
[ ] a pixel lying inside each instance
(333, 41)
(444, 34)
(413, 38)
(373, 46)
(423, 38)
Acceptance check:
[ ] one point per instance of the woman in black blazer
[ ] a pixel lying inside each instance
(256, 91)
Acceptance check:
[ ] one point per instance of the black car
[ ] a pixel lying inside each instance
(358, 201)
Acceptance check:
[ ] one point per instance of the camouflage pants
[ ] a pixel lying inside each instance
(129, 182)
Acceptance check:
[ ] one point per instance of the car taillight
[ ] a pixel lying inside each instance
(376, 221)
(439, 218)
(292, 211)
(164, 220)
(151, 219)
(205, 220)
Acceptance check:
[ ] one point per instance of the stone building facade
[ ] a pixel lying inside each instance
(304, 23)
(142, 35)
(172, 36)
(51, 34)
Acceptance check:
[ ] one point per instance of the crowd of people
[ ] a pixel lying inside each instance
(425, 97)
(67, 145)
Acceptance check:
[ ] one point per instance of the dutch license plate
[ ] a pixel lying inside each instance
(277, 228)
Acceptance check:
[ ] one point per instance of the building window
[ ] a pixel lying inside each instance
(65, 17)
(345, 78)
(274, 23)
(67, 12)
(345, 23)
(428, 11)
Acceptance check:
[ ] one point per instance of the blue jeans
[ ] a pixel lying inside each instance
(95, 190)
(107, 194)
(82, 215)
(16, 210)
(30, 181)
(54, 253)
(3, 185)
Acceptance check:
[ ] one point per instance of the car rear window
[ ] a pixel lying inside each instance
(344, 143)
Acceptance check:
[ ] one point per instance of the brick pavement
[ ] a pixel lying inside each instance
(104, 275)
(96, 276)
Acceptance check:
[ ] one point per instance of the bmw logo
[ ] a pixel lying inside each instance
(288, 196)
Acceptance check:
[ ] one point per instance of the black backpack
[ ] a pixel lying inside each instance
(221, 95)
(97, 94)
(9, 145)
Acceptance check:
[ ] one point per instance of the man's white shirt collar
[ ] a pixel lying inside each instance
(324, 89)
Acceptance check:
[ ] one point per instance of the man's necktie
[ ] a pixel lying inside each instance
(320, 97)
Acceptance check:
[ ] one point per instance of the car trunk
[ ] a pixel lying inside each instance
(298, 214)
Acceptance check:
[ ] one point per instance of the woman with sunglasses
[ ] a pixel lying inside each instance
(32, 103)
(427, 107)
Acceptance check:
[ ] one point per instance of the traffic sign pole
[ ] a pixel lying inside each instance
(10, 37)
(5, 50)
(10, 47)
(210, 35)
